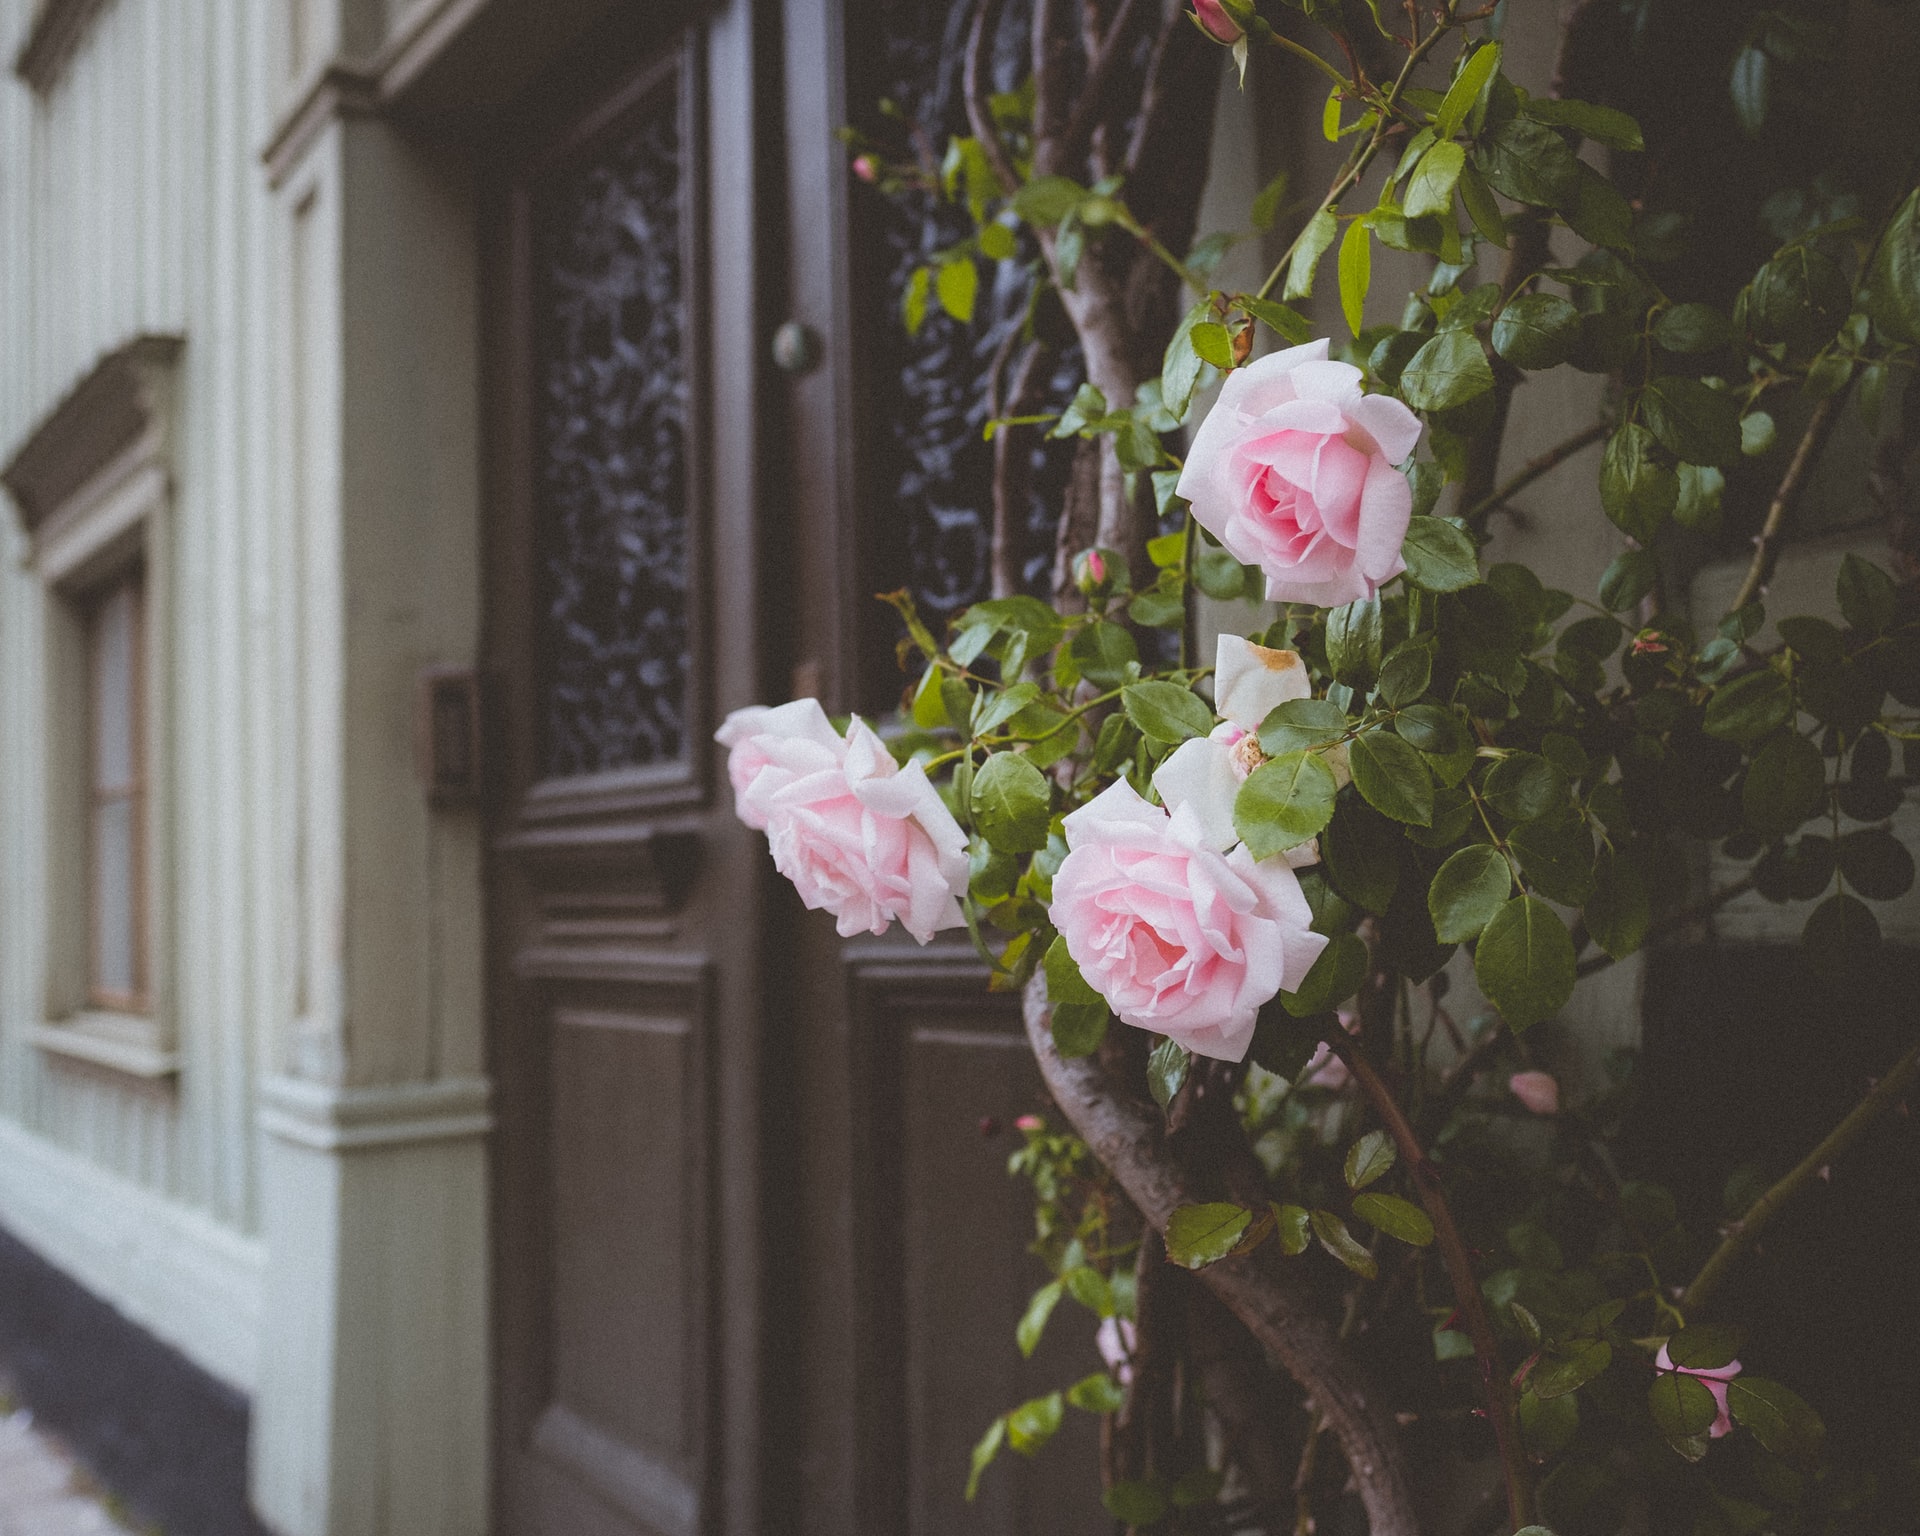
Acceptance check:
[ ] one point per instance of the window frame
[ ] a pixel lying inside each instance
(138, 998)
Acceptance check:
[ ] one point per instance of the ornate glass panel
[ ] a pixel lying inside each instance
(938, 467)
(610, 436)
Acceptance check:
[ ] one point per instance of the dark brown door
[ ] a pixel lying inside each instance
(758, 1268)
(624, 896)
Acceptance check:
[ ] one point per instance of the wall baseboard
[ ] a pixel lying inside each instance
(190, 1281)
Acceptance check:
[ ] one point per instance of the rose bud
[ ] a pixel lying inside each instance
(866, 168)
(1030, 1124)
(1093, 572)
(1215, 21)
(1537, 1090)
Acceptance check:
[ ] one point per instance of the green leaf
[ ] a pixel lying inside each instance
(1320, 233)
(1465, 90)
(1395, 1217)
(1431, 190)
(1876, 864)
(1557, 859)
(1618, 913)
(1440, 556)
(1482, 206)
(1559, 1375)
(1638, 490)
(984, 1450)
(1681, 1405)
(1597, 211)
(1199, 1235)
(1103, 652)
(1392, 777)
(1293, 1225)
(1283, 803)
(1693, 421)
(1011, 803)
(1467, 891)
(1355, 639)
(1536, 330)
(1525, 962)
(1135, 1503)
(1523, 786)
(1035, 1422)
(1369, 1159)
(1628, 579)
(1689, 328)
(1867, 595)
(1448, 371)
(957, 283)
(1529, 162)
(1779, 1419)
(1266, 207)
(1748, 87)
(1046, 200)
(1799, 299)
(1749, 707)
(1548, 1426)
(1214, 345)
(1335, 975)
(1701, 487)
(1167, 1070)
(1451, 1344)
(1891, 286)
(1432, 728)
(1603, 125)
(1033, 1322)
(1080, 1014)
(1703, 1347)
(1786, 784)
(1356, 274)
(1290, 324)
(913, 303)
(1840, 934)
(1218, 574)
(1098, 1393)
(1180, 368)
(1166, 712)
(1338, 1241)
(1405, 675)
(1361, 850)
(1301, 723)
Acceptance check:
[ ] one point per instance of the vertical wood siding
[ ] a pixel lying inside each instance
(132, 199)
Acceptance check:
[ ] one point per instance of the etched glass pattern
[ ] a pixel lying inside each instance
(939, 468)
(610, 434)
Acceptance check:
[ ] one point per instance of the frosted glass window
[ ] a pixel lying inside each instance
(117, 835)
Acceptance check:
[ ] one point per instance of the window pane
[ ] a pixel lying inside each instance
(113, 897)
(113, 689)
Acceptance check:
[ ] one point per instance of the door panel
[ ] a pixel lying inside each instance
(611, 991)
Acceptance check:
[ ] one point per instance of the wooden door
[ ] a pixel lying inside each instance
(624, 897)
(758, 1267)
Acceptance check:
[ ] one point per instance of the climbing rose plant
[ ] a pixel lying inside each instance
(1235, 889)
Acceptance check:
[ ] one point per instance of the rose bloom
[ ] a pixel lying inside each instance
(1293, 471)
(1537, 1090)
(858, 835)
(1180, 936)
(1714, 1379)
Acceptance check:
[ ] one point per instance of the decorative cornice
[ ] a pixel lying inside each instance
(127, 395)
(335, 1119)
(58, 26)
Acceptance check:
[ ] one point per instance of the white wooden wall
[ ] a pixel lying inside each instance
(132, 200)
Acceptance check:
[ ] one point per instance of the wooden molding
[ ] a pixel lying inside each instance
(335, 1119)
(124, 1043)
(125, 398)
(58, 26)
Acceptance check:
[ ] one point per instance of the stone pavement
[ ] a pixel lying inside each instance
(43, 1492)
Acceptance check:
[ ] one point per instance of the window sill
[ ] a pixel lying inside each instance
(118, 1042)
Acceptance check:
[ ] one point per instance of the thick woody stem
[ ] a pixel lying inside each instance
(1127, 1134)
(1011, 458)
(1495, 1386)
(1745, 1232)
(974, 86)
(1766, 549)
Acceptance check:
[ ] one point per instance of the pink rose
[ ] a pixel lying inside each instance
(857, 834)
(1221, 27)
(1714, 1379)
(866, 168)
(1537, 1090)
(1293, 470)
(1179, 935)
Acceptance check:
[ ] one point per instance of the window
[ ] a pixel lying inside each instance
(93, 487)
(117, 782)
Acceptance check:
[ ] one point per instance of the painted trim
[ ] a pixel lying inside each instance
(185, 1278)
(58, 27)
(330, 1119)
(121, 1043)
